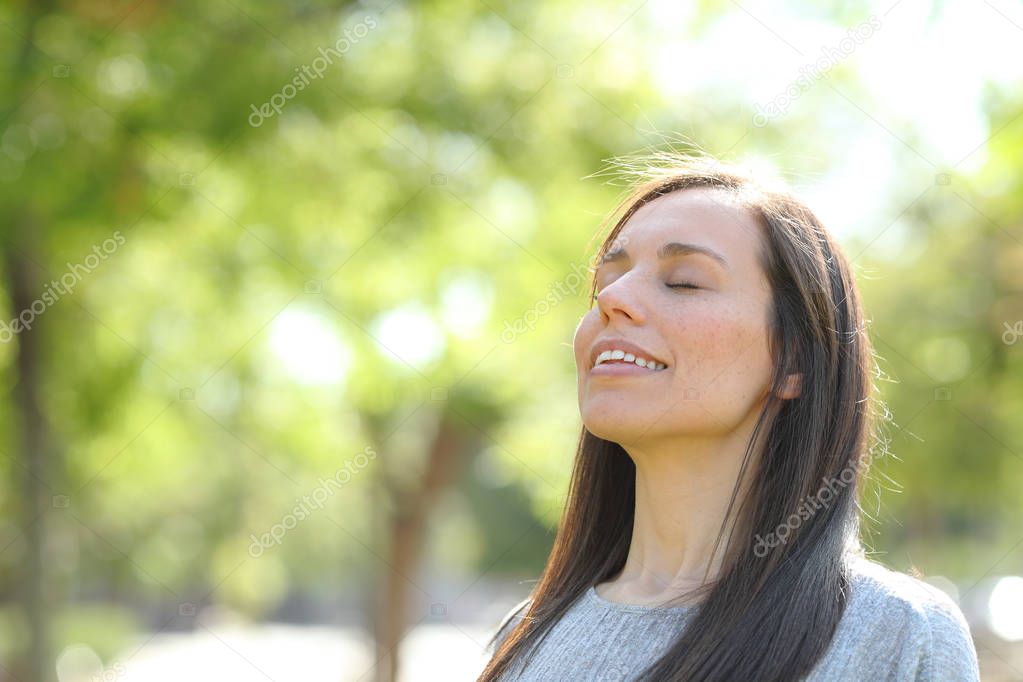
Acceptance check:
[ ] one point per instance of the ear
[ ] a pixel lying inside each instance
(791, 387)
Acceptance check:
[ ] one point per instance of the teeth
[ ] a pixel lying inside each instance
(629, 357)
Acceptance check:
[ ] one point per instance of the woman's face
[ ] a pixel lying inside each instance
(713, 339)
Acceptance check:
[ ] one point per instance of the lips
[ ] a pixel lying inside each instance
(622, 345)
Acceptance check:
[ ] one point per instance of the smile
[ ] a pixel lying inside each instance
(617, 356)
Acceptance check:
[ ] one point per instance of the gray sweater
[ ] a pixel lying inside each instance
(895, 627)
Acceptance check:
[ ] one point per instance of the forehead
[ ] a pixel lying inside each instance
(705, 217)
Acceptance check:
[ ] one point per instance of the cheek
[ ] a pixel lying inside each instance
(585, 333)
(724, 356)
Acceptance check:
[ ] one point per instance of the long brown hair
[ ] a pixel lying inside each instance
(774, 606)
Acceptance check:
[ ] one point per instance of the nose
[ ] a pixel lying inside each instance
(622, 299)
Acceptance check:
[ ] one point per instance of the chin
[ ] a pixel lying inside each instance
(614, 425)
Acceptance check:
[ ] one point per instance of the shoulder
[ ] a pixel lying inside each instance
(907, 622)
(894, 593)
(508, 623)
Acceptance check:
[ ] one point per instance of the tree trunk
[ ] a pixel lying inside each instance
(34, 453)
(31, 451)
(407, 528)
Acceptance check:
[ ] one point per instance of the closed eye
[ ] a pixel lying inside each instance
(670, 285)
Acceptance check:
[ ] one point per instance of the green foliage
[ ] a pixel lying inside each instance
(342, 274)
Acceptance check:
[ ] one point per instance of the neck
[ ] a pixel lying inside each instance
(683, 490)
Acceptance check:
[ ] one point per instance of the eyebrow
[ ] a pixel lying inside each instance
(669, 250)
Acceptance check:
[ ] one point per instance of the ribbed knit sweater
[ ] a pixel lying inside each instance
(894, 627)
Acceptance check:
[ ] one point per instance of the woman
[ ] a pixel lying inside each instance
(711, 528)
